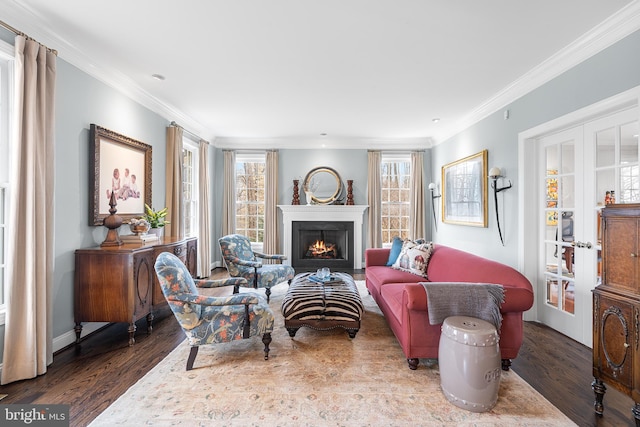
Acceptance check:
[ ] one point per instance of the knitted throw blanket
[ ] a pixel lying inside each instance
(480, 300)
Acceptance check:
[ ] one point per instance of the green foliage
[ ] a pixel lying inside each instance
(155, 218)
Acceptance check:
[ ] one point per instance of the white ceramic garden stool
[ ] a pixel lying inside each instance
(469, 360)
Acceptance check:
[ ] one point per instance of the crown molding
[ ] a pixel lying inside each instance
(25, 19)
(618, 26)
(610, 31)
(325, 143)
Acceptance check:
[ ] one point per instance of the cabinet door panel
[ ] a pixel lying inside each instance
(616, 344)
(620, 247)
(143, 279)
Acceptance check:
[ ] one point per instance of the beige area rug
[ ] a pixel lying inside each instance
(318, 378)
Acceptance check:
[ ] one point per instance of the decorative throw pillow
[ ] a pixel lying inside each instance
(396, 247)
(414, 258)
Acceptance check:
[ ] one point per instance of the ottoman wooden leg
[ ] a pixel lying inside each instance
(292, 331)
(352, 332)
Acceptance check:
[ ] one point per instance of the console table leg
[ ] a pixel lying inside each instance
(132, 333)
(78, 330)
(150, 318)
(599, 389)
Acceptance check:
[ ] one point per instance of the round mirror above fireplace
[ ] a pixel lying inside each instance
(325, 184)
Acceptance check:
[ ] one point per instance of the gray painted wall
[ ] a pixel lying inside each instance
(608, 73)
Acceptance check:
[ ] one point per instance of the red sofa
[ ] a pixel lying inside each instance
(403, 300)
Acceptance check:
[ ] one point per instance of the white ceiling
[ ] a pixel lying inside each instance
(359, 70)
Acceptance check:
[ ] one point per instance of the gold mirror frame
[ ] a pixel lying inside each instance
(315, 174)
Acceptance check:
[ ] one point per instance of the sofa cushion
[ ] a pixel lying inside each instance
(414, 258)
(396, 247)
(380, 275)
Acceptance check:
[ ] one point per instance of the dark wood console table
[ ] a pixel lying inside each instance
(119, 284)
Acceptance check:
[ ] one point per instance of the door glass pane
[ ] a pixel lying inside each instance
(629, 143)
(551, 154)
(568, 157)
(567, 192)
(605, 147)
(605, 183)
(628, 185)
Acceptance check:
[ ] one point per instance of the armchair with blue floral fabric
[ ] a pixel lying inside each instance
(242, 261)
(208, 319)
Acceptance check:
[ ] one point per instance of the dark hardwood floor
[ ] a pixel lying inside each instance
(93, 375)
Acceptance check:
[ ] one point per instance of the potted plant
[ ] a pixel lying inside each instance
(156, 219)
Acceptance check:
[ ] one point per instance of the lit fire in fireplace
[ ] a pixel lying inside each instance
(320, 249)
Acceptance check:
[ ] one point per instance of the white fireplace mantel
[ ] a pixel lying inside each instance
(348, 213)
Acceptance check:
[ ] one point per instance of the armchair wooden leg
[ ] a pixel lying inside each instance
(266, 339)
(192, 357)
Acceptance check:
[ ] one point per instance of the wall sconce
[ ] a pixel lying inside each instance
(432, 188)
(494, 174)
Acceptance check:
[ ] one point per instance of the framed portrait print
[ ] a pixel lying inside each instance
(119, 165)
(464, 184)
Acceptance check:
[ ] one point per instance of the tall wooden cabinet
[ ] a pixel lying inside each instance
(616, 307)
(119, 284)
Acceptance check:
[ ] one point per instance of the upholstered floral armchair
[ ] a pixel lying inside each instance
(207, 319)
(242, 261)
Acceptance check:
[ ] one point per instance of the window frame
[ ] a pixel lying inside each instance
(7, 77)
(191, 146)
(252, 157)
(395, 157)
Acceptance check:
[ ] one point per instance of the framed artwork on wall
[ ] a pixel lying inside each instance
(464, 184)
(119, 165)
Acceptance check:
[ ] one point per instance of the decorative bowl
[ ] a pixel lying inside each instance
(139, 226)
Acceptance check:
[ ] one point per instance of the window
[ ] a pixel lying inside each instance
(190, 173)
(250, 192)
(6, 83)
(395, 174)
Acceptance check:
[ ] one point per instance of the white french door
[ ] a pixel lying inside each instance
(580, 169)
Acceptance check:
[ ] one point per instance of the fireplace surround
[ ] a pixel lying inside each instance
(324, 213)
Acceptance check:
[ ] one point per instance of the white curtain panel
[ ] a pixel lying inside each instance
(204, 220)
(271, 202)
(374, 194)
(28, 348)
(229, 193)
(173, 177)
(416, 203)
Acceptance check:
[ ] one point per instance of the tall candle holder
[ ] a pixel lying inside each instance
(350, 192)
(296, 195)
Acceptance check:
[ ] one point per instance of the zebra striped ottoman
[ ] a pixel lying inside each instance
(322, 306)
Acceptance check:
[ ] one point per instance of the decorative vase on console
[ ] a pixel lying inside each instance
(309, 195)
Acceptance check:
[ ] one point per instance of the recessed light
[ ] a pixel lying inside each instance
(436, 120)
(158, 77)
(323, 134)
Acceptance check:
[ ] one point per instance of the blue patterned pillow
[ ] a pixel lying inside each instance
(396, 247)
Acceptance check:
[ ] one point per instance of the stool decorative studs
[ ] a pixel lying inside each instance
(469, 359)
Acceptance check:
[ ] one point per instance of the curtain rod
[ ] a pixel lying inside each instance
(20, 33)
(189, 132)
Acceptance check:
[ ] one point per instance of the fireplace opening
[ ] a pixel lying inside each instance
(318, 244)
